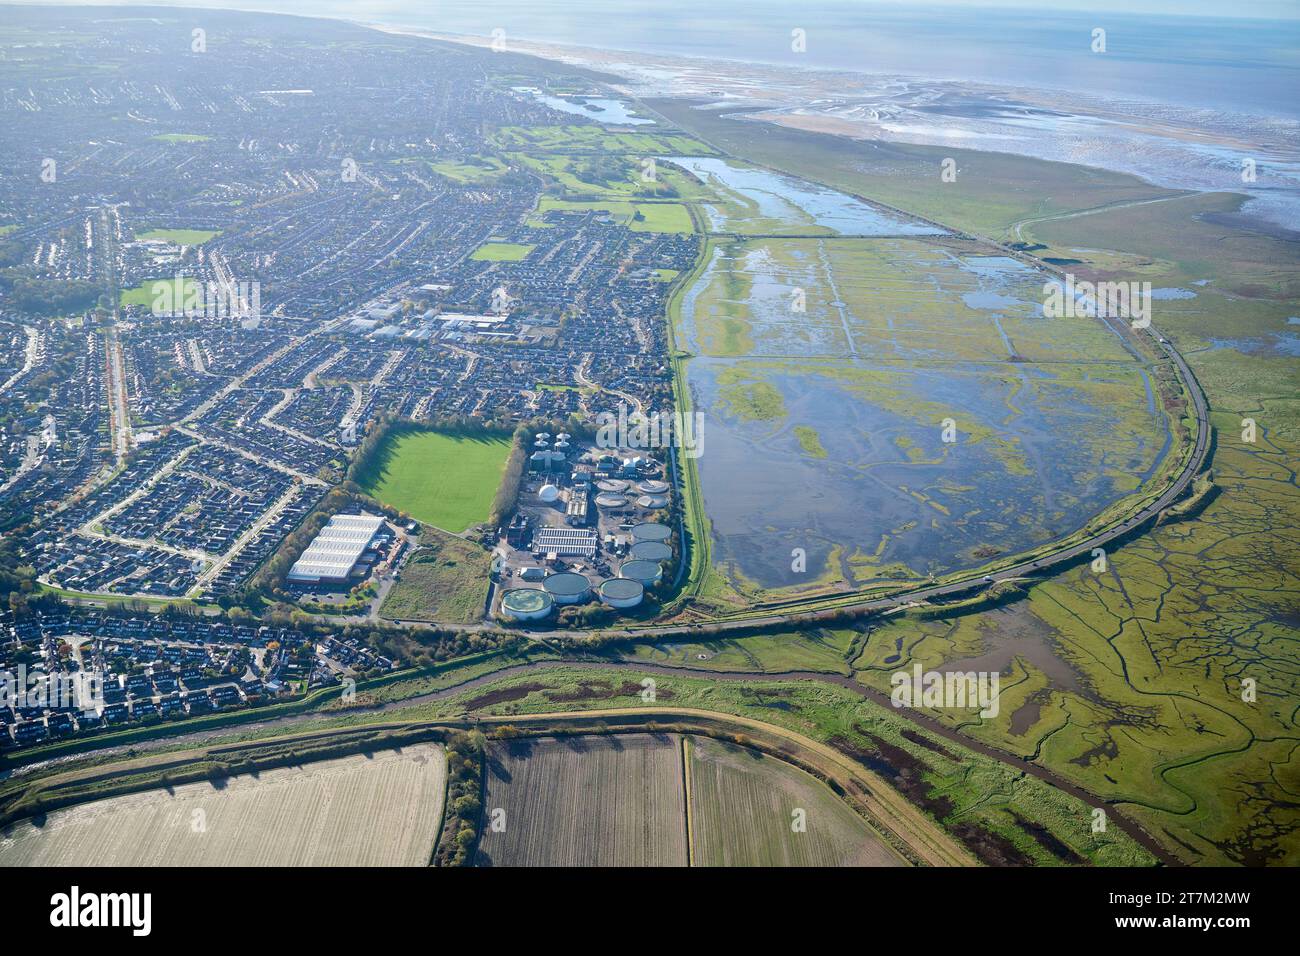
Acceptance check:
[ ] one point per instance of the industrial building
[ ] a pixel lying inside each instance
(605, 500)
(565, 542)
(334, 553)
(575, 509)
(546, 457)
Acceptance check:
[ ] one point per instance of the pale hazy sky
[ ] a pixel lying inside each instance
(367, 9)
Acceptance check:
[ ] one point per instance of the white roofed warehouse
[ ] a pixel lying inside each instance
(569, 542)
(334, 553)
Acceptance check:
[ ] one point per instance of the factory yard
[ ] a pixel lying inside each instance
(363, 810)
(591, 523)
(631, 800)
(439, 479)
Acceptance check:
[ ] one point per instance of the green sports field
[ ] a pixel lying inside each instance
(183, 237)
(181, 138)
(183, 290)
(444, 480)
(501, 252)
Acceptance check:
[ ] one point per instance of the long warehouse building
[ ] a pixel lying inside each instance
(568, 542)
(334, 553)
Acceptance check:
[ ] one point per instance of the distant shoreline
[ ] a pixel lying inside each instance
(1153, 147)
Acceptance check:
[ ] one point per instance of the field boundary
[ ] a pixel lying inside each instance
(685, 755)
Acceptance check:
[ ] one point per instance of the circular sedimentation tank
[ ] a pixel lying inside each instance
(567, 587)
(526, 604)
(651, 531)
(645, 572)
(653, 502)
(611, 484)
(651, 551)
(608, 500)
(653, 487)
(622, 592)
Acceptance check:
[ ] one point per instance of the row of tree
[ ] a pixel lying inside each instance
(465, 756)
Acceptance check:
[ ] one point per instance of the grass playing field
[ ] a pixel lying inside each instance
(501, 252)
(145, 294)
(477, 169)
(183, 237)
(639, 217)
(443, 480)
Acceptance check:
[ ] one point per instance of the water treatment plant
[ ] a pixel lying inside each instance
(591, 527)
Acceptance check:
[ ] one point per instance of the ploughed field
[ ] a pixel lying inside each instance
(748, 809)
(625, 800)
(585, 801)
(381, 809)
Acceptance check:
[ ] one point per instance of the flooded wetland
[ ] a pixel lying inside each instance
(884, 402)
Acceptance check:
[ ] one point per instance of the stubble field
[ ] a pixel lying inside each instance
(364, 810)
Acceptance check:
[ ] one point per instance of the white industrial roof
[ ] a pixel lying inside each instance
(567, 541)
(337, 548)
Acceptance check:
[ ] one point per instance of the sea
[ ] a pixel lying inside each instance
(1136, 90)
